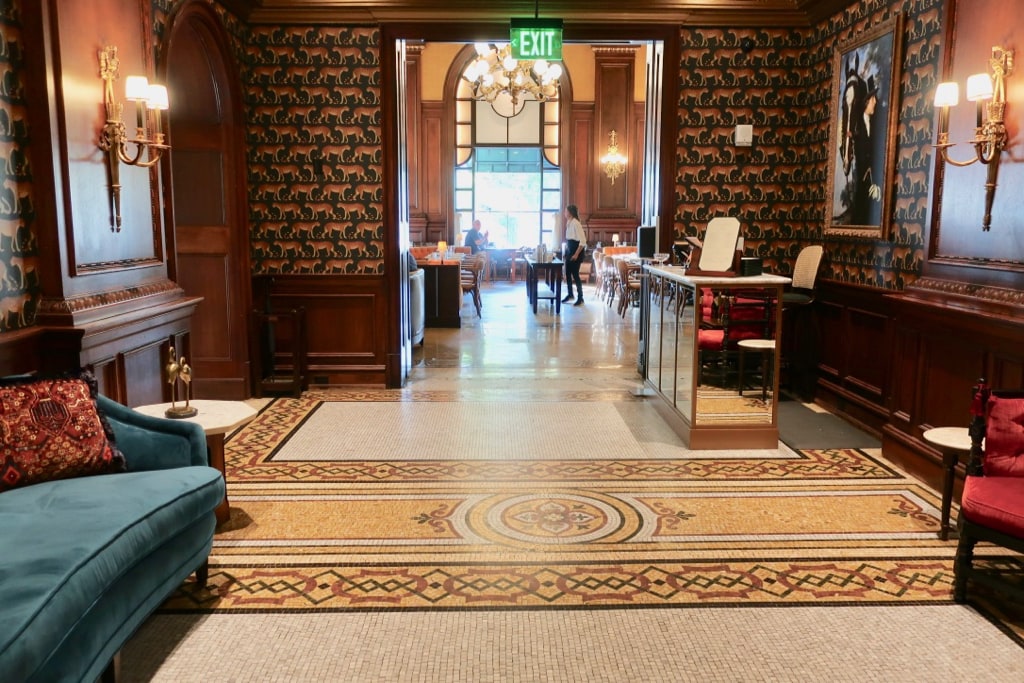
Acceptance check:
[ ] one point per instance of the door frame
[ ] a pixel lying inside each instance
(395, 247)
(199, 16)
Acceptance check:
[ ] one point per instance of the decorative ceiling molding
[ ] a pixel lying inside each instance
(733, 13)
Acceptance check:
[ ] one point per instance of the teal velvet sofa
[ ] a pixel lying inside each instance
(85, 560)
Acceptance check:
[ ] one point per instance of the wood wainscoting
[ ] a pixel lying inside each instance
(852, 342)
(346, 324)
(941, 345)
(898, 364)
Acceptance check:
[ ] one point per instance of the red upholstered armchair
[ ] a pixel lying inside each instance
(992, 505)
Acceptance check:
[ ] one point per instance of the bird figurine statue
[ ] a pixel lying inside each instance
(173, 370)
(185, 375)
(178, 369)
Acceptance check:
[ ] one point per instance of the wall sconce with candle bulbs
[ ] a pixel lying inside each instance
(150, 101)
(613, 163)
(990, 136)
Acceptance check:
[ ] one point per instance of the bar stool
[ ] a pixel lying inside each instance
(766, 347)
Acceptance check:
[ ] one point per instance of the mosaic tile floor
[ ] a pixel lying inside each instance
(466, 494)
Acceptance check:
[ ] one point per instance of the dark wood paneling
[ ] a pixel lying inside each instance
(613, 98)
(345, 337)
(19, 352)
(851, 326)
(127, 351)
(434, 179)
(940, 350)
(579, 191)
(210, 234)
(144, 365)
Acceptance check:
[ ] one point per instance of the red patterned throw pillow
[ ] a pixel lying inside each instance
(50, 429)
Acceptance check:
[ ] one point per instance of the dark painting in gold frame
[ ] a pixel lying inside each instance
(866, 72)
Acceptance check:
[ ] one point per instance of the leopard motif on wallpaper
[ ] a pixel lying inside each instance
(780, 81)
(19, 251)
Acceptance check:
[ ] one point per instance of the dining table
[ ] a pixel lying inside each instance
(544, 281)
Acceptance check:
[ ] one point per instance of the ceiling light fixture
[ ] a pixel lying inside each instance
(507, 83)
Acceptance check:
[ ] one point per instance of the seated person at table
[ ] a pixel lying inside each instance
(475, 240)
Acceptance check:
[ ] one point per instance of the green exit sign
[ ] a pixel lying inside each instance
(536, 39)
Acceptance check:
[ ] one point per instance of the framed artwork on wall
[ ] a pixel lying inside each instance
(866, 72)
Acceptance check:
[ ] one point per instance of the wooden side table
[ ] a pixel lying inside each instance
(217, 418)
(950, 441)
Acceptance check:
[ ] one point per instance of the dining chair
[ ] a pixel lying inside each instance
(629, 285)
(611, 278)
(469, 277)
(800, 338)
(805, 274)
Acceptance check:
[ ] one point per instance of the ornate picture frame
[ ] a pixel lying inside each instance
(866, 73)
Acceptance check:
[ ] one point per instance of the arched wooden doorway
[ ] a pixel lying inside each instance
(207, 236)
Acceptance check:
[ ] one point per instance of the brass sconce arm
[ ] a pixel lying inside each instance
(150, 101)
(990, 137)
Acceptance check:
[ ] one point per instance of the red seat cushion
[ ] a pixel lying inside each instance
(995, 502)
(710, 340)
(1004, 437)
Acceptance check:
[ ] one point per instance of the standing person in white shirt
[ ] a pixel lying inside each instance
(576, 247)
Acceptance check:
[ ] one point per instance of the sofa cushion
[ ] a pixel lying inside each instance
(71, 546)
(51, 429)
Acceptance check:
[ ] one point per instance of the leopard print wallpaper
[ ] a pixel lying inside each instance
(313, 139)
(780, 81)
(315, 150)
(19, 280)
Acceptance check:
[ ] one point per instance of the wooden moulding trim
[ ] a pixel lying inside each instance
(997, 295)
(78, 306)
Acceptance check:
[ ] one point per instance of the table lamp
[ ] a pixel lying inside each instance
(442, 248)
(615, 239)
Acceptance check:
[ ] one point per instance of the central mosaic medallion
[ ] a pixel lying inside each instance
(557, 519)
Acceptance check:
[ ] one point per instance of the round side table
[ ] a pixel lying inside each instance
(217, 418)
(951, 442)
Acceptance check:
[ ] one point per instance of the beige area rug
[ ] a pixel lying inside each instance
(347, 431)
(468, 431)
(945, 643)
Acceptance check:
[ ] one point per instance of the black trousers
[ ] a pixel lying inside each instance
(572, 273)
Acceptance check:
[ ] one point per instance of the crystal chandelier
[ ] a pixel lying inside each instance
(506, 82)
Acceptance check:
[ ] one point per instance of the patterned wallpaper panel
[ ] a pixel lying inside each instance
(19, 279)
(780, 81)
(767, 79)
(313, 99)
(315, 150)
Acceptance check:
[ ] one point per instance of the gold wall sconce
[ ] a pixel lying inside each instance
(990, 136)
(150, 101)
(613, 163)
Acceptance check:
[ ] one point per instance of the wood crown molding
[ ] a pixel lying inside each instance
(733, 13)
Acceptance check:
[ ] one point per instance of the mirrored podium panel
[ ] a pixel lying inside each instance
(714, 391)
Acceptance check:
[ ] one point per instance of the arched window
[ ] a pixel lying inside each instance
(507, 171)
